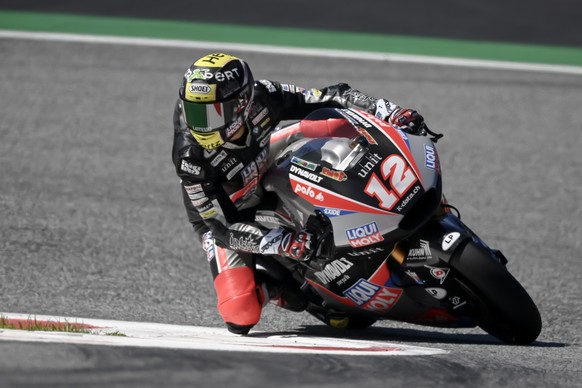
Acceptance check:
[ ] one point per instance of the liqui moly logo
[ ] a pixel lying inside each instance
(430, 158)
(364, 235)
(372, 296)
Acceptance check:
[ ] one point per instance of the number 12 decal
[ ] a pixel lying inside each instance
(401, 177)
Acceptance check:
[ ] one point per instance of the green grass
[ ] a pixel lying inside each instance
(32, 324)
(116, 334)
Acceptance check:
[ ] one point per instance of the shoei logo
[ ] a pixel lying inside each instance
(201, 89)
(367, 234)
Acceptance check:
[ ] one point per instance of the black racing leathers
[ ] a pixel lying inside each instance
(222, 187)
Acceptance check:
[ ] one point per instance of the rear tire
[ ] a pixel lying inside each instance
(502, 306)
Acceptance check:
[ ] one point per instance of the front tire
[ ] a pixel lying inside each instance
(503, 308)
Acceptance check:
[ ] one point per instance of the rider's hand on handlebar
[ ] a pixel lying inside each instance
(297, 245)
(408, 120)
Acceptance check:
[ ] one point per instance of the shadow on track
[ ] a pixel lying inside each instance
(401, 335)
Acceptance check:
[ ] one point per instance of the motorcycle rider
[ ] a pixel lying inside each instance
(223, 120)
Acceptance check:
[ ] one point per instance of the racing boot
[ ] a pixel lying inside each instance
(238, 301)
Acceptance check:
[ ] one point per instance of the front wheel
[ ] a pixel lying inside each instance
(502, 306)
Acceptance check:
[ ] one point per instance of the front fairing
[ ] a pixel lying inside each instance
(376, 194)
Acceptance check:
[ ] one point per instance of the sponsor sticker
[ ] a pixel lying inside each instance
(333, 212)
(249, 173)
(233, 127)
(305, 174)
(269, 85)
(261, 159)
(339, 176)
(209, 213)
(219, 158)
(366, 252)
(267, 219)
(449, 240)
(199, 202)
(308, 192)
(194, 188)
(333, 270)
(367, 135)
(372, 296)
(358, 119)
(421, 253)
(367, 163)
(271, 242)
(234, 171)
(208, 246)
(304, 163)
(367, 234)
(199, 88)
(245, 243)
(190, 168)
(408, 198)
(430, 160)
(438, 273)
(415, 277)
(260, 116)
(437, 293)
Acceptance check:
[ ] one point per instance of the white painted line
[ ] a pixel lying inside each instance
(155, 335)
(315, 52)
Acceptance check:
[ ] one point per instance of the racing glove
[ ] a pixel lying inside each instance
(296, 245)
(408, 120)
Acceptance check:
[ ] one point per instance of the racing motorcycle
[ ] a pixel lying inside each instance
(388, 244)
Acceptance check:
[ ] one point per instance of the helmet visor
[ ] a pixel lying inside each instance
(204, 118)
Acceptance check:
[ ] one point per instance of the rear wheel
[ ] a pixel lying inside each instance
(502, 306)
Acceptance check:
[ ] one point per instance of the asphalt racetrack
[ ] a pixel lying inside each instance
(92, 224)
